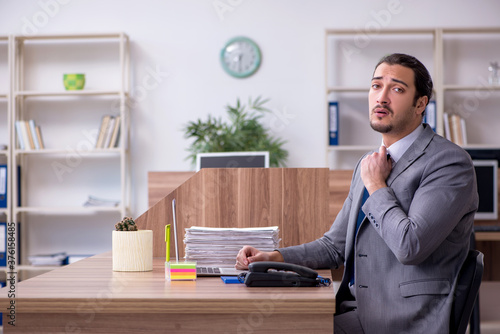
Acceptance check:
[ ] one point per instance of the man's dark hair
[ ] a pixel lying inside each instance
(423, 80)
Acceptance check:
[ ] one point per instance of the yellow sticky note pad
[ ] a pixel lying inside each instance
(180, 271)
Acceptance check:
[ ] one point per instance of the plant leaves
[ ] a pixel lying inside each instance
(244, 132)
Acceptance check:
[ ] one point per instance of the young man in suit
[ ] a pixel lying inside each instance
(403, 256)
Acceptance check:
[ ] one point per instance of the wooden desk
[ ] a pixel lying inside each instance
(487, 236)
(88, 296)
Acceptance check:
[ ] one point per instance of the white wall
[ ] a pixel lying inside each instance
(181, 41)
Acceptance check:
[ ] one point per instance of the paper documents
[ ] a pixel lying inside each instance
(95, 201)
(47, 260)
(212, 246)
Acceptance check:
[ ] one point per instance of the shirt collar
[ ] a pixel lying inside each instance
(397, 149)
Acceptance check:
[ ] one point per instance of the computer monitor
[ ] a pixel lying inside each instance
(487, 188)
(232, 160)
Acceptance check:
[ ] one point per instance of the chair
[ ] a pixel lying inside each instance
(466, 292)
(475, 322)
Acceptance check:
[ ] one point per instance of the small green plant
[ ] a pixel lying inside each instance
(127, 224)
(243, 133)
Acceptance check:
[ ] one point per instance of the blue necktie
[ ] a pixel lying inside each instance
(361, 214)
(361, 217)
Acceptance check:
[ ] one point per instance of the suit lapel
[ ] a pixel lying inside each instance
(356, 206)
(412, 154)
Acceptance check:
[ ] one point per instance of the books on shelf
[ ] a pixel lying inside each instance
(29, 135)
(109, 132)
(455, 128)
(210, 246)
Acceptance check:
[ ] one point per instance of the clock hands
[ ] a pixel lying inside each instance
(240, 57)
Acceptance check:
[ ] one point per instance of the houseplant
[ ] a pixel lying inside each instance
(243, 132)
(132, 248)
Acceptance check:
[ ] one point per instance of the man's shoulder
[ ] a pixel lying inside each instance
(439, 142)
(440, 147)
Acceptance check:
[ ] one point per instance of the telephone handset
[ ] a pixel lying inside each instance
(280, 274)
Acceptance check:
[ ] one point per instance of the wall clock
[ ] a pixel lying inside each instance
(240, 57)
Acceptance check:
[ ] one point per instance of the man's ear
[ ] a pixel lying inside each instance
(421, 104)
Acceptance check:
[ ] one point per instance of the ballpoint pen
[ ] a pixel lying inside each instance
(167, 252)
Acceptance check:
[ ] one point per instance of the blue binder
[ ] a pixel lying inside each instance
(3, 186)
(4, 235)
(430, 115)
(333, 122)
(3, 244)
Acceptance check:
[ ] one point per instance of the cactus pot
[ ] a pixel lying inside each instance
(133, 250)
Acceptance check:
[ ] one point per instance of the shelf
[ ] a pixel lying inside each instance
(83, 92)
(77, 210)
(346, 89)
(30, 267)
(486, 87)
(4, 152)
(56, 151)
(73, 36)
(382, 32)
(351, 148)
(471, 30)
(4, 96)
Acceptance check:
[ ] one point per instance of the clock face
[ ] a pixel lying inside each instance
(240, 57)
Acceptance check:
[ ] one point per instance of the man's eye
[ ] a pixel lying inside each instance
(399, 90)
(375, 86)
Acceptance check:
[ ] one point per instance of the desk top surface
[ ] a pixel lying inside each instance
(92, 285)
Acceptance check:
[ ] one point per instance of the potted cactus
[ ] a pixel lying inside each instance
(132, 248)
(127, 224)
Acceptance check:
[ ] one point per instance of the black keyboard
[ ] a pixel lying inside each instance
(207, 270)
(486, 228)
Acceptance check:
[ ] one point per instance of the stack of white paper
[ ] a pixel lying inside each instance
(47, 260)
(95, 201)
(211, 246)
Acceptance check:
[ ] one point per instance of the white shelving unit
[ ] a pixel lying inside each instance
(54, 182)
(5, 129)
(466, 91)
(5, 119)
(457, 60)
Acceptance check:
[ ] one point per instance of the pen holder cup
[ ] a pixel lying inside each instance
(133, 250)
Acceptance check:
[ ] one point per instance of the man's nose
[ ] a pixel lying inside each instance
(383, 97)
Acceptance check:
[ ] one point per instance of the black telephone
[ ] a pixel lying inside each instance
(279, 274)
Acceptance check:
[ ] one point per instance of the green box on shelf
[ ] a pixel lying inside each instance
(74, 81)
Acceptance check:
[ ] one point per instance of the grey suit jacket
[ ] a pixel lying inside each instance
(412, 243)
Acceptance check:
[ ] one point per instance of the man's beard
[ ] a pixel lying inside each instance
(381, 127)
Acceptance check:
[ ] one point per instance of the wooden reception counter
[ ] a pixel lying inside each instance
(88, 297)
